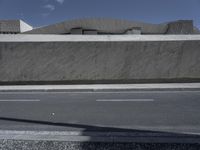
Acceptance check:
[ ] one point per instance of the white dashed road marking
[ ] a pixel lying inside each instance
(125, 100)
(19, 100)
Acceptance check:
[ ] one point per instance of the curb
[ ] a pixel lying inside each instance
(101, 90)
(102, 87)
(73, 136)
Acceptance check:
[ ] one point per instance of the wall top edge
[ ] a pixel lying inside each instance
(95, 38)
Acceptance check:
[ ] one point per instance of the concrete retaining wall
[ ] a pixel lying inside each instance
(89, 60)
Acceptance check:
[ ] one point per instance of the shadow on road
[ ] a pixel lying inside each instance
(116, 145)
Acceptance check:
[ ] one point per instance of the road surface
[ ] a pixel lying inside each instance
(168, 111)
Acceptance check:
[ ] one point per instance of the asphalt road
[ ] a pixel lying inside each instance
(168, 111)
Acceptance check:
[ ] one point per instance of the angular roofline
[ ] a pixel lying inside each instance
(104, 25)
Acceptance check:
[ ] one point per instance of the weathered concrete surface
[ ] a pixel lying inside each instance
(181, 27)
(99, 60)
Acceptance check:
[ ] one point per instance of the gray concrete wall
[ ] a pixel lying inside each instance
(99, 60)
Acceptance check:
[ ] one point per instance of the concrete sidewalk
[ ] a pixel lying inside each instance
(101, 87)
(75, 136)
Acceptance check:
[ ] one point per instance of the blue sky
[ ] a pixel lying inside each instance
(44, 12)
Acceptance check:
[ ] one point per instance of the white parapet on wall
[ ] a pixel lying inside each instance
(94, 38)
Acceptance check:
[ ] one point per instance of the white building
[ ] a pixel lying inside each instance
(14, 26)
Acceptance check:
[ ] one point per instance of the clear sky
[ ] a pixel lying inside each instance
(44, 12)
